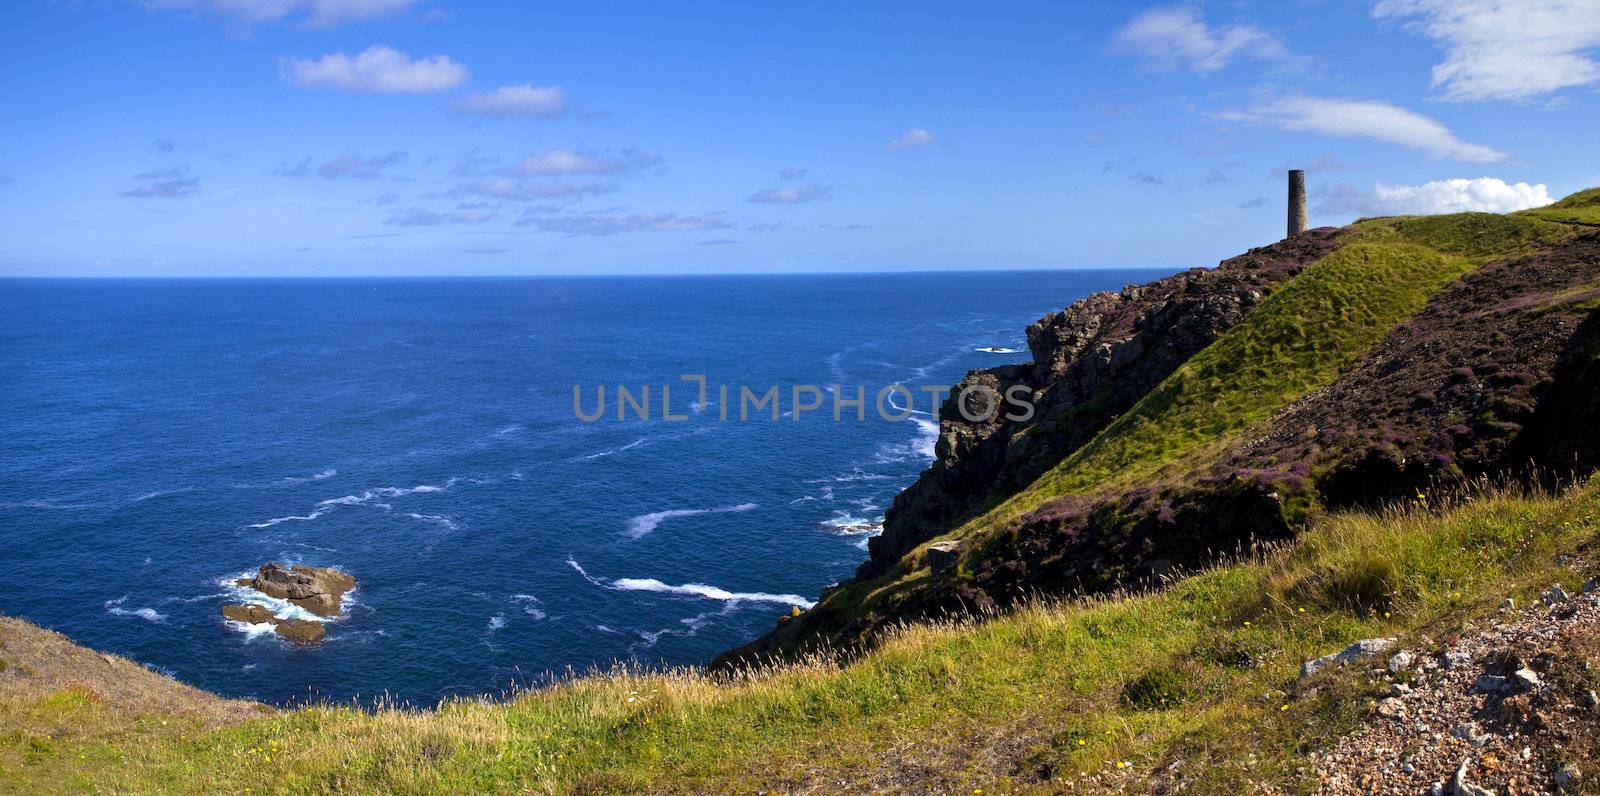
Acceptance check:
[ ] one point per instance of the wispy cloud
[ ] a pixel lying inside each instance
(311, 13)
(1358, 118)
(6, 178)
(1177, 37)
(524, 190)
(911, 139)
(175, 182)
(378, 69)
(1497, 50)
(422, 217)
(1252, 203)
(1484, 195)
(485, 250)
(792, 174)
(561, 162)
(602, 225)
(355, 166)
(524, 100)
(792, 194)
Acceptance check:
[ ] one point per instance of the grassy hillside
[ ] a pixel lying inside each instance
(1099, 690)
(1297, 341)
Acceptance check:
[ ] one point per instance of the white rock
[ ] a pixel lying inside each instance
(1366, 648)
(1525, 680)
(1400, 661)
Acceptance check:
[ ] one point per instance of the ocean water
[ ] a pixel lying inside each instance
(164, 437)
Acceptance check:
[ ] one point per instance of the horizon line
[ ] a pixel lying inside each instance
(575, 275)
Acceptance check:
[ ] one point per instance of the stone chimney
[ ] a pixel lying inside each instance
(1297, 202)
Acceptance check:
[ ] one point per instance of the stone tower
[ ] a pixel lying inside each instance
(1297, 202)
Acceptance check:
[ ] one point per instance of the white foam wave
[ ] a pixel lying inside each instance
(528, 605)
(645, 523)
(292, 518)
(845, 524)
(114, 607)
(708, 592)
(995, 349)
(613, 451)
(691, 589)
(387, 492)
(922, 447)
(496, 622)
(435, 519)
(161, 493)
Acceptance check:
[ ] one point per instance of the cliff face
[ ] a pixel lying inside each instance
(1091, 362)
(1486, 362)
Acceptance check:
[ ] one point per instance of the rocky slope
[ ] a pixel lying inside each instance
(1493, 370)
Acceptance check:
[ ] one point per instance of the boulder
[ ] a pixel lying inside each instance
(316, 589)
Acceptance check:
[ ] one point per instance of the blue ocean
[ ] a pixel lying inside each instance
(164, 437)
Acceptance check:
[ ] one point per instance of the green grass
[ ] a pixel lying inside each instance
(1205, 672)
(1579, 208)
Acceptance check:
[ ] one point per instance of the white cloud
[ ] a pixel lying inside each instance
(524, 100)
(914, 137)
(1176, 36)
(792, 194)
(520, 190)
(378, 69)
(312, 13)
(1484, 195)
(566, 161)
(1499, 50)
(612, 225)
(1357, 118)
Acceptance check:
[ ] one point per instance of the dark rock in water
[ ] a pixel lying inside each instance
(299, 630)
(316, 589)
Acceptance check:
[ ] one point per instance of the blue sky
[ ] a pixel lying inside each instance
(441, 137)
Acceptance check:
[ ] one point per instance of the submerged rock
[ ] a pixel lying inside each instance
(316, 589)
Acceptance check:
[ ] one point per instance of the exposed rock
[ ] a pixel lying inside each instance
(1453, 660)
(316, 589)
(1489, 684)
(1460, 786)
(1366, 648)
(1556, 594)
(1392, 707)
(252, 613)
(1091, 362)
(1524, 680)
(304, 631)
(1400, 661)
(941, 555)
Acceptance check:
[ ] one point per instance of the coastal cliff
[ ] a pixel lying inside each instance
(1212, 410)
